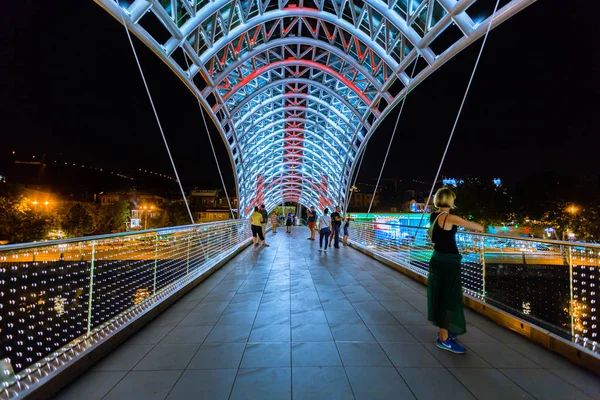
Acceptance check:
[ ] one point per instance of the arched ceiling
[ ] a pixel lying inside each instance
(297, 87)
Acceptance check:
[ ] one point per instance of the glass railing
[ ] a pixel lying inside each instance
(58, 298)
(552, 284)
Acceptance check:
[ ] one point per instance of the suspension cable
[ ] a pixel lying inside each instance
(459, 111)
(394, 132)
(362, 156)
(212, 147)
(157, 119)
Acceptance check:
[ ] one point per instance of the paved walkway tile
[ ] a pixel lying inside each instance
(124, 359)
(214, 384)
(315, 355)
(263, 355)
(168, 357)
(583, 380)
(263, 383)
(543, 384)
(434, 383)
(144, 385)
(218, 355)
(92, 386)
(187, 335)
(288, 320)
(326, 383)
(379, 383)
(410, 355)
(489, 384)
(363, 355)
(270, 333)
(311, 333)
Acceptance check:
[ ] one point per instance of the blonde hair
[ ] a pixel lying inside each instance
(444, 197)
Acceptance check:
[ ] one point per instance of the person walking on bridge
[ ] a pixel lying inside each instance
(274, 222)
(256, 226)
(346, 230)
(324, 229)
(444, 286)
(336, 224)
(311, 221)
(289, 222)
(265, 219)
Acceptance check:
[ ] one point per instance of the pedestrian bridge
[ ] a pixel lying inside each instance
(193, 312)
(296, 88)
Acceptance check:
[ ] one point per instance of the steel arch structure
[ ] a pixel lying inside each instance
(297, 87)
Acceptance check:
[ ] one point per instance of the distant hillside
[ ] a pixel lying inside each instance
(78, 180)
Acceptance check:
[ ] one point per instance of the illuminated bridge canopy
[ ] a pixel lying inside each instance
(297, 87)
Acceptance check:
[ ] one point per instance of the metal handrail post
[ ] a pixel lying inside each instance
(155, 262)
(571, 299)
(187, 267)
(91, 296)
(483, 266)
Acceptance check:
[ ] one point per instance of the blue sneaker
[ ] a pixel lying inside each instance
(451, 346)
(451, 335)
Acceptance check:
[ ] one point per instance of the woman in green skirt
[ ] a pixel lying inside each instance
(444, 287)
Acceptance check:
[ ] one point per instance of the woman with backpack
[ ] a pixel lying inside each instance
(444, 286)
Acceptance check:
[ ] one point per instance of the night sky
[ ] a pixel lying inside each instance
(70, 85)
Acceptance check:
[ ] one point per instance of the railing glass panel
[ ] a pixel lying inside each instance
(552, 284)
(59, 298)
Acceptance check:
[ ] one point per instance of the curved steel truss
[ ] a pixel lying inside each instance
(296, 87)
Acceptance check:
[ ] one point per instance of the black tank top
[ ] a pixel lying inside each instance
(443, 241)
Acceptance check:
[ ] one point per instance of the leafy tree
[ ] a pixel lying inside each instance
(583, 221)
(113, 217)
(78, 221)
(482, 201)
(176, 213)
(20, 223)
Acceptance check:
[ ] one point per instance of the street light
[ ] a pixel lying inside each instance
(145, 212)
(573, 210)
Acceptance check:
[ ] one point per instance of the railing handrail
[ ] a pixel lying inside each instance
(21, 246)
(537, 240)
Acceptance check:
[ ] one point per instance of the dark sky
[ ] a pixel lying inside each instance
(70, 84)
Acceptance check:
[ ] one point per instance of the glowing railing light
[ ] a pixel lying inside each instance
(57, 307)
(499, 270)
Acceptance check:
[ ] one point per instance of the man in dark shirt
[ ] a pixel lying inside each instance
(312, 219)
(336, 221)
(264, 219)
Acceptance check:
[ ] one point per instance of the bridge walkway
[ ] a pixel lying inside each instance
(286, 321)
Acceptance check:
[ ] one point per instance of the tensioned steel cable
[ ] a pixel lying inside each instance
(459, 112)
(362, 156)
(157, 119)
(212, 147)
(394, 131)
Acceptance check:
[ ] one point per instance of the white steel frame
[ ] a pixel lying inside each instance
(297, 87)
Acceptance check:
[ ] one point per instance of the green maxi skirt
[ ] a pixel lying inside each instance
(444, 293)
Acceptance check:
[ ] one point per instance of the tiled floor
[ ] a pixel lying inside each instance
(287, 321)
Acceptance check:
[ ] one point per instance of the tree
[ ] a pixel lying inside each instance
(114, 217)
(482, 201)
(20, 223)
(582, 220)
(78, 221)
(176, 214)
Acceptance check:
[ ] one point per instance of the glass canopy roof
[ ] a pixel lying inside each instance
(297, 87)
